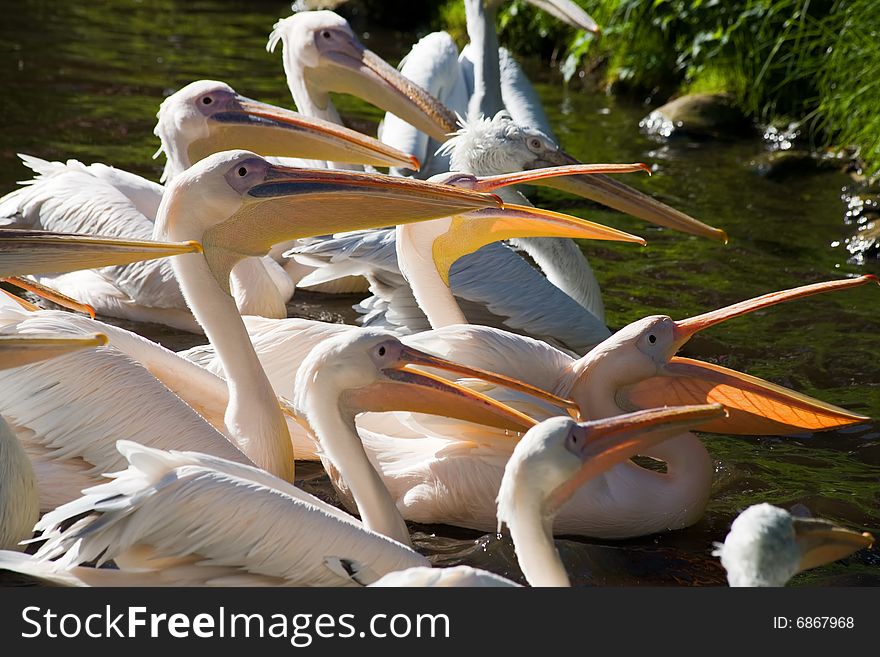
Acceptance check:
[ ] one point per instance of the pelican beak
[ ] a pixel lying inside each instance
(360, 72)
(623, 198)
(568, 12)
(290, 203)
(755, 406)
(821, 542)
(537, 176)
(270, 130)
(416, 357)
(468, 232)
(51, 295)
(19, 350)
(418, 392)
(45, 252)
(602, 444)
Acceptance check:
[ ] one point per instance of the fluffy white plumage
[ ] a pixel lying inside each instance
(184, 518)
(760, 549)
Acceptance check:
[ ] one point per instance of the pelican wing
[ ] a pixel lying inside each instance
(433, 65)
(234, 523)
(69, 411)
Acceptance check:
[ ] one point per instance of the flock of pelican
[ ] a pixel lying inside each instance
(479, 390)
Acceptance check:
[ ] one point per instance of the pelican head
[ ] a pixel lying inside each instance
(558, 456)
(500, 145)
(208, 116)
(491, 146)
(767, 546)
(637, 368)
(369, 370)
(237, 204)
(322, 54)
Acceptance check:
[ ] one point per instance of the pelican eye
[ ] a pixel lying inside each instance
(207, 100)
(652, 338)
(326, 34)
(242, 171)
(381, 351)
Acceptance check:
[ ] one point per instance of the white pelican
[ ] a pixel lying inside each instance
(550, 462)
(201, 118)
(482, 80)
(182, 518)
(322, 54)
(767, 546)
(561, 303)
(437, 478)
(188, 518)
(235, 203)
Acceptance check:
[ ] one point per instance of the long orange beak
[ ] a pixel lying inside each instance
(602, 444)
(269, 130)
(531, 176)
(821, 541)
(686, 328)
(755, 406)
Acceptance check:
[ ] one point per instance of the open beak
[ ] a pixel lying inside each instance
(44, 252)
(270, 130)
(416, 357)
(362, 73)
(623, 198)
(50, 295)
(821, 542)
(602, 444)
(406, 389)
(568, 12)
(468, 232)
(755, 406)
(418, 392)
(19, 350)
(292, 203)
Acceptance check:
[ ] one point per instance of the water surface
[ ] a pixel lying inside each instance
(84, 80)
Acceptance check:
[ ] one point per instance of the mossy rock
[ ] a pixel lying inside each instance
(780, 165)
(705, 116)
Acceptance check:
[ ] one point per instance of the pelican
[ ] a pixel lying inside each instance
(322, 54)
(562, 303)
(234, 203)
(436, 478)
(549, 463)
(201, 118)
(167, 518)
(767, 546)
(482, 80)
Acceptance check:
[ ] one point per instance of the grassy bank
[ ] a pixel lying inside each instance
(814, 62)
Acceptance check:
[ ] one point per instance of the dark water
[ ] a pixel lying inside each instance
(84, 80)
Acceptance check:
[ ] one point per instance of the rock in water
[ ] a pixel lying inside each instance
(707, 116)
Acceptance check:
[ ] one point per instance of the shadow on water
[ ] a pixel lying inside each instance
(85, 82)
